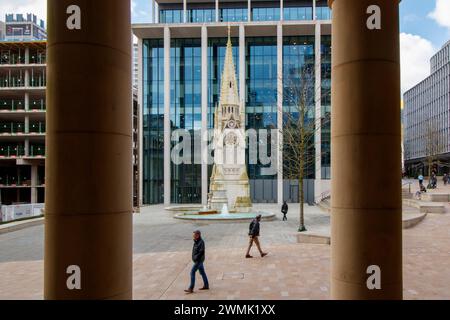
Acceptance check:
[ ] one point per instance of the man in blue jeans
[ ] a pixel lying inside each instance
(198, 257)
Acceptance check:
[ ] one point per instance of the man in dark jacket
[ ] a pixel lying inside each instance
(198, 257)
(254, 237)
(284, 210)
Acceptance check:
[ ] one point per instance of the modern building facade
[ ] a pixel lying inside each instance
(135, 66)
(22, 121)
(24, 28)
(182, 53)
(426, 118)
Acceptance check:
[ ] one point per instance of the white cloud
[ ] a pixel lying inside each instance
(441, 13)
(37, 7)
(415, 59)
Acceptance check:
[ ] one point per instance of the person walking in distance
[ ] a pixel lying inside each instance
(284, 210)
(420, 178)
(198, 257)
(254, 237)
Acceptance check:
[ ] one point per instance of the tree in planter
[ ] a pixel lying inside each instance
(300, 127)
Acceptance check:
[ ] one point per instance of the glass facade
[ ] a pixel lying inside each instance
(153, 121)
(266, 14)
(297, 13)
(185, 113)
(261, 97)
(299, 95)
(323, 13)
(326, 107)
(234, 14)
(201, 15)
(171, 16)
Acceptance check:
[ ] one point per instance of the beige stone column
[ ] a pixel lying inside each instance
(366, 218)
(88, 202)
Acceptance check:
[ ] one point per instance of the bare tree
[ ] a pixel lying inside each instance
(300, 126)
(434, 144)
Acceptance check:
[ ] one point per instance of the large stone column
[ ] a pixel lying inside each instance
(88, 209)
(366, 219)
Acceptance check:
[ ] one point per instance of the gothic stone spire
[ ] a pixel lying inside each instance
(229, 92)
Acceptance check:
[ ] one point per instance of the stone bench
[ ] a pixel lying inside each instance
(436, 197)
(425, 206)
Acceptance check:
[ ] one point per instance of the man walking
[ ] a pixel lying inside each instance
(284, 210)
(254, 237)
(198, 257)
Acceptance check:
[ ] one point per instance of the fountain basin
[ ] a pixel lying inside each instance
(245, 216)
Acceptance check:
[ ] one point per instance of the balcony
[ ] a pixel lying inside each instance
(15, 54)
(12, 105)
(12, 151)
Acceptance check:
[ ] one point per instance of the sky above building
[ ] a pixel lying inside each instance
(424, 27)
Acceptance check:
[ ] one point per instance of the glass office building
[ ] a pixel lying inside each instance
(426, 122)
(181, 57)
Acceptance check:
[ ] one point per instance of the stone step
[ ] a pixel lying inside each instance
(435, 197)
(424, 206)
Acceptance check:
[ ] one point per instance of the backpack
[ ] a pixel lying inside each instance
(250, 229)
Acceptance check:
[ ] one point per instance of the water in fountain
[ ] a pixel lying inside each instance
(225, 210)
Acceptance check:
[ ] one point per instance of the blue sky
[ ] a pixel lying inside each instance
(414, 19)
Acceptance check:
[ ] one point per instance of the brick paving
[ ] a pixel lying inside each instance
(291, 271)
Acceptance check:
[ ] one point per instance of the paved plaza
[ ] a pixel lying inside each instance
(291, 270)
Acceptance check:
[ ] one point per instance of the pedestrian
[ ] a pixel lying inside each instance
(420, 177)
(254, 237)
(434, 180)
(284, 210)
(445, 179)
(198, 257)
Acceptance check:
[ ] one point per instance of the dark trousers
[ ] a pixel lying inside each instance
(198, 266)
(284, 217)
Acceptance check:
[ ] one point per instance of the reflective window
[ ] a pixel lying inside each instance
(171, 16)
(323, 13)
(266, 14)
(326, 106)
(297, 13)
(153, 121)
(261, 97)
(299, 101)
(185, 113)
(201, 15)
(233, 14)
